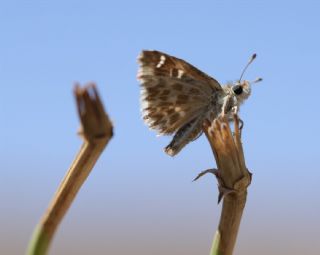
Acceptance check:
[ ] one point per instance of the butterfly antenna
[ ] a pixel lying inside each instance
(245, 68)
(257, 80)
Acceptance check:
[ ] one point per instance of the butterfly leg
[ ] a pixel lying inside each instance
(227, 105)
(241, 124)
(235, 110)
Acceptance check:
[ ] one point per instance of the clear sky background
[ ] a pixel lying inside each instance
(137, 199)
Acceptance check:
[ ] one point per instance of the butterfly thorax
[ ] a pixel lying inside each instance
(216, 103)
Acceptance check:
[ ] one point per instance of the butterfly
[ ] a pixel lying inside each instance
(176, 97)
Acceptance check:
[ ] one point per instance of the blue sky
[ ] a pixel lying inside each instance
(46, 46)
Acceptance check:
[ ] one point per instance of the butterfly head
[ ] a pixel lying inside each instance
(242, 89)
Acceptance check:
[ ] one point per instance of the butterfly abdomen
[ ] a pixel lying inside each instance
(193, 129)
(184, 135)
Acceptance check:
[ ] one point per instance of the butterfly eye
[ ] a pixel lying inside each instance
(237, 89)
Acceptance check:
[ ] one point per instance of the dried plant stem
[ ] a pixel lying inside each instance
(226, 235)
(233, 178)
(97, 131)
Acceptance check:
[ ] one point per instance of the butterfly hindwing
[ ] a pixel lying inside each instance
(167, 103)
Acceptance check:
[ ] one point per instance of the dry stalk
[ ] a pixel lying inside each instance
(96, 132)
(233, 178)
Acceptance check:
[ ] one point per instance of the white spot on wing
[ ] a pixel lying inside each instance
(180, 73)
(161, 62)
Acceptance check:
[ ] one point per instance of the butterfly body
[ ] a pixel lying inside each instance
(176, 97)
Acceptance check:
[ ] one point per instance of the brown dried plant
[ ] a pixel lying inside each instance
(96, 130)
(233, 179)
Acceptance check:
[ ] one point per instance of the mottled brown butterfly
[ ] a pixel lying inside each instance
(176, 97)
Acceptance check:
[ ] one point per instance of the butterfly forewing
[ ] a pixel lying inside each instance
(161, 64)
(173, 92)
